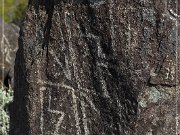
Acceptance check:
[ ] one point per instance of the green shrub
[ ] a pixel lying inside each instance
(6, 97)
(13, 9)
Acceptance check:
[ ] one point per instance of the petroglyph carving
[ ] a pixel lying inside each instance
(65, 67)
(61, 114)
(172, 15)
(100, 56)
(58, 113)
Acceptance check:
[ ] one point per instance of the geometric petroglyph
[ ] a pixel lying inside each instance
(51, 107)
(57, 113)
(57, 101)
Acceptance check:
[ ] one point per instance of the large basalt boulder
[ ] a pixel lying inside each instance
(98, 67)
(9, 44)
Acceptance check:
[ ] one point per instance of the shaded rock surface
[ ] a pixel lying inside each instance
(9, 44)
(98, 67)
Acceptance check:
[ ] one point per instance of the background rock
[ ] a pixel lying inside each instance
(9, 44)
(104, 67)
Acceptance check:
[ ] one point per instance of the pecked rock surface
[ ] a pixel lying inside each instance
(9, 44)
(98, 67)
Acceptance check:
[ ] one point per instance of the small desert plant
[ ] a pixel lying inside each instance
(6, 96)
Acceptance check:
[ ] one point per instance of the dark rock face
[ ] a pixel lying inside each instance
(98, 67)
(9, 44)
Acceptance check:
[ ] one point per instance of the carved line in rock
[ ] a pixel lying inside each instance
(42, 107)
(41, 101)
(62, 85)
(100, 64)
(60, 119)
(76, 74)
(111, 17)
(57, 112)
(97, 3)
(172, 15)
(66, 70)
(74, 64)
(101, 55)
(89, 35)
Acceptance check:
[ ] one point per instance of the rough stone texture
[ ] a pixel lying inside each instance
(98, 67)
(9, 44)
